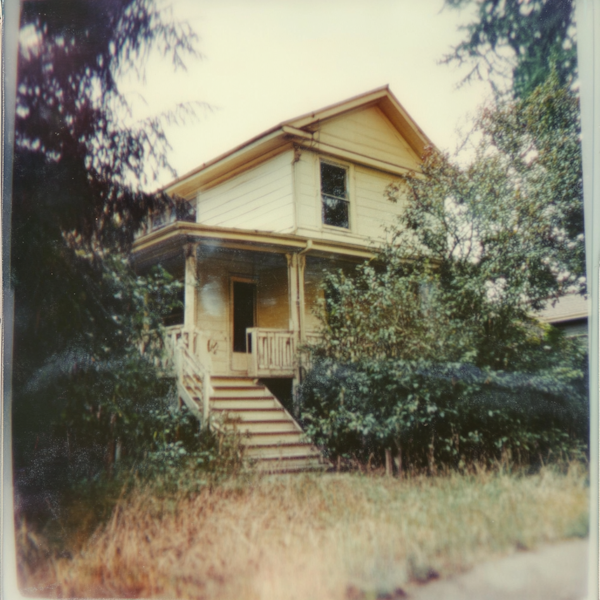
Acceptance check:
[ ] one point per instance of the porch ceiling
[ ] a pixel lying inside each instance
(170, 239)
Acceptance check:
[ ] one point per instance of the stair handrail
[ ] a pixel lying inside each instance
(188, 364)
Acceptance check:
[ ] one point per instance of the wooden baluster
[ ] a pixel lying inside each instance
(206, 391)
(255, 341)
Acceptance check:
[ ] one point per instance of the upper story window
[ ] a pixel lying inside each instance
(334, 192)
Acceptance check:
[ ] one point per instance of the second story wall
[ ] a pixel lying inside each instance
(322, 175)
(259, 198)
(369, 209)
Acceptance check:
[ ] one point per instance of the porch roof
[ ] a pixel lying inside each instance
(170, 239)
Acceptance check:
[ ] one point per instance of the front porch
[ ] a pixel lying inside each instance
(249, 297)
(272, 353)
(248, 309)
(236, 348)
(270, 436)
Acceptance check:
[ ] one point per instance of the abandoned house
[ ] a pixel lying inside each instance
(268, 218)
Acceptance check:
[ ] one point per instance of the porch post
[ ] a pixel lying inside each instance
(190, 295)
(301, 315)
(295, 284)
(292, 261)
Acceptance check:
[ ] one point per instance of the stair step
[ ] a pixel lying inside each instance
(260, 438)
(233, 382)
(256, 427)
(237, 389)
(239, 393)
(235, 403)
(275, 450)
(269, 435)
(252, 414)
(308, 453)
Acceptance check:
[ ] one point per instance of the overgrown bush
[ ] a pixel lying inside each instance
(101, 415)
(175, 459)
(431, 415)
(432, 351)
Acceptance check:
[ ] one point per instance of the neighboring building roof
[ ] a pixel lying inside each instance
(567, 308)
(301, 129)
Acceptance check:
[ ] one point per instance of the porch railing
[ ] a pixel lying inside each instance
(176, 335)
(193, 382)
(273, 352)
(177, 211)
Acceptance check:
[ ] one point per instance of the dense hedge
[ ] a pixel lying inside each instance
(442, 414)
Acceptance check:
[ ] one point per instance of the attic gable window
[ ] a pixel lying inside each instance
(334, 192)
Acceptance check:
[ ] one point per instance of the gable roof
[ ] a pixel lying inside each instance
(300, 129)
(381, 97)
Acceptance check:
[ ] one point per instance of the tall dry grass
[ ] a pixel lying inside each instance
(312, 536)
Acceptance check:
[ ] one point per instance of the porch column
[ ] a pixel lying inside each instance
(190, 281)
(301, 305)
(292, 262)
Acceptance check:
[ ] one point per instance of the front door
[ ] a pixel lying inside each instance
(244, 310)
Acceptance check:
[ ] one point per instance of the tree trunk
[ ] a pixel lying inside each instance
(431, 457)
(399, 461)
(110, 456)
(388, 462)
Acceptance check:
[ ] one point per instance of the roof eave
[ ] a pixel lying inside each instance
(278, 136)
(226, 163)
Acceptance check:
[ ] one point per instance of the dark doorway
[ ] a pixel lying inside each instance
(243, 313)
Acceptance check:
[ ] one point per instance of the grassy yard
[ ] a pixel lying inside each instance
(326, 536)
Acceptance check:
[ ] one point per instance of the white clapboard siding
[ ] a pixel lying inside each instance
(373, 210)
(370, 211)
(214, 312)
(368, 132)
(259, 198)
(313, 276)
(307, 191)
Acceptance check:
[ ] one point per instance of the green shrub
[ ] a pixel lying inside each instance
(432, 350)
(430, 414)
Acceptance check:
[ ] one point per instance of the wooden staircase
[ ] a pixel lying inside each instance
(270, 435)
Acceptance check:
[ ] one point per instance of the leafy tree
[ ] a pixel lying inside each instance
(82, 167)
(518, 41)
(433, 347)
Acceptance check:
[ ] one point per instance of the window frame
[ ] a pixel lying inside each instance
(347, 170)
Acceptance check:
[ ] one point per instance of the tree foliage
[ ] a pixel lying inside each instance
(82, 169)
(518, 42)
(436, 338)
(81, 162)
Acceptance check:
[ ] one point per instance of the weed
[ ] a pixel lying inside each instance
(332, 536)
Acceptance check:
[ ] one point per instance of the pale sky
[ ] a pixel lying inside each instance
(266, 61)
